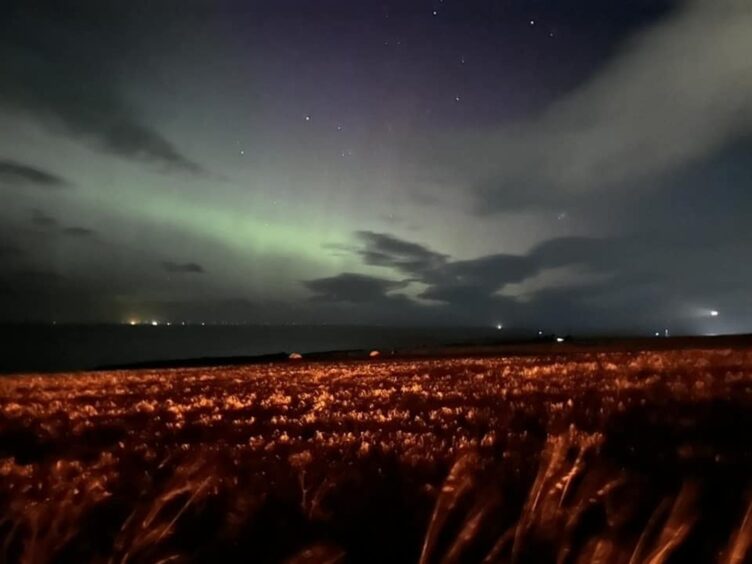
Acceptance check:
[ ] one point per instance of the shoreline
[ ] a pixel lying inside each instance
(530, 347)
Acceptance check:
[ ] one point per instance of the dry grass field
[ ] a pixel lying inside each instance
(587, 457)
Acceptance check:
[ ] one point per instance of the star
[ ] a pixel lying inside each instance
(242, 151)
(435, 13)
(456, 98)
(308, 118)
(532, 22)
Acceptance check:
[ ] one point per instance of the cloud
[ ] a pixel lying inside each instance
(436, 269)
(484, 274)
(353, 288)
(665, 101)
(81, 232)
(41, 219)
(629, 282)
(51, 71)
(183, 268)
(563, 262)
(20, 174)
(381, 249)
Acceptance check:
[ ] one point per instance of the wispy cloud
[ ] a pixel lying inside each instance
(676, 93)
(382, 249)
(76, 231)
(182, 268)
(353, 288)
(21, 174)
(41, 219)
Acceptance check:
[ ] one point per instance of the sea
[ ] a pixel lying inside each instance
(52, 348)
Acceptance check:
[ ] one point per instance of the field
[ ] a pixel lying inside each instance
(586, 457)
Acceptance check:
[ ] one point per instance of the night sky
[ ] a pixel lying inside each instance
(565, 165)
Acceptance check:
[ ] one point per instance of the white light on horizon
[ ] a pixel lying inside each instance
(713, 313)
(559, 339)
(155, 323)
(499, 326)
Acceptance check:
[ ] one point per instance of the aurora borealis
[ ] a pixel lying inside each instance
(580, 166)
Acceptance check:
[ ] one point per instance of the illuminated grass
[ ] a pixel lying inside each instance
(617, 457)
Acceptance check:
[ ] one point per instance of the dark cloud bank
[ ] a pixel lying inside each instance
(638, 282)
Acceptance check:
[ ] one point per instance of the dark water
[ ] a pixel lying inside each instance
(79, 347)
